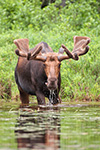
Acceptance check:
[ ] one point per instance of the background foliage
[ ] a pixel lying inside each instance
(55, 25)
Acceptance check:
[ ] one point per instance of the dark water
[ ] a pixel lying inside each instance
(66, 127)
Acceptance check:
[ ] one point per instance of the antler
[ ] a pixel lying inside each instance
(80, 48)
(23, 50)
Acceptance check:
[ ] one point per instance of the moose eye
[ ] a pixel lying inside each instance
(44, 65)
(59, 65)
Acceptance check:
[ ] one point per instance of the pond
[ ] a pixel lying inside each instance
(62, 127)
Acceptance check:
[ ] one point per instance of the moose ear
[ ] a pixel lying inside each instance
(22, 44)
(61, 50)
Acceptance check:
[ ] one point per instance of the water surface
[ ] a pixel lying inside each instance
(63, 127)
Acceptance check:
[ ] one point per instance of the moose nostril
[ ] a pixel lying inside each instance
(53, 81)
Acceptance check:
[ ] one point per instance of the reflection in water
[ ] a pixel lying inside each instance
(38, 129)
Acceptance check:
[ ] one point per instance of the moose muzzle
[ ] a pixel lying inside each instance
(52, 83)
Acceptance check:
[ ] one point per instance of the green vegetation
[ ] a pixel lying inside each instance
(54, 25)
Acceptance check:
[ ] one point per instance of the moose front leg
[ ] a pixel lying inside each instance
(60, 101)
(40, 98)
(24, 97)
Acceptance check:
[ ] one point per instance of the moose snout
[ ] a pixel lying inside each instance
(52, 83)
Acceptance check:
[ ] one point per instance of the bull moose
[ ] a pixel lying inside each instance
(38, 69)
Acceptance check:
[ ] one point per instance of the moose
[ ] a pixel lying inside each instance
(38, 69)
